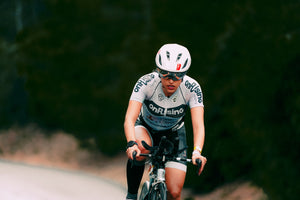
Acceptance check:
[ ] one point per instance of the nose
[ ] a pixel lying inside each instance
(171, 80)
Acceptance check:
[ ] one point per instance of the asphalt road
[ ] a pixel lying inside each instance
(25, 182)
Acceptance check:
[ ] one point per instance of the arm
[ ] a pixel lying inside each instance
(197, 115)
(132, 114)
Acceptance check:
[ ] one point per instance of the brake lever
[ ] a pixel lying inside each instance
(199, 164)
(133, 158)
(147, 146)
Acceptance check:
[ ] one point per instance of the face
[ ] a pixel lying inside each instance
(170, 81)
(169, 86)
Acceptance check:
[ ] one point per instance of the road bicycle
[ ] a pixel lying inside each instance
(155, 188)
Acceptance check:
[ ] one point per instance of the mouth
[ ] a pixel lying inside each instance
(171, 87)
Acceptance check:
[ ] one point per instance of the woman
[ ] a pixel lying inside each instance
(156, 108)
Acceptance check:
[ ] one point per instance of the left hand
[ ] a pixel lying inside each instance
(202, 158)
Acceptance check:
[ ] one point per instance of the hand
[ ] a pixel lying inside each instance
(130, 150)
(203, 160)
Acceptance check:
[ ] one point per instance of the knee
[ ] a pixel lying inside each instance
(143, 151)
(174, 193)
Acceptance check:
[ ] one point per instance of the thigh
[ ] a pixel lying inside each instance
(175, 179)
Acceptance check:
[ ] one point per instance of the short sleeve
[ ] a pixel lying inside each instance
(140, 89)
(194, 92)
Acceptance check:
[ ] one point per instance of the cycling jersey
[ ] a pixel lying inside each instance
(159, 111)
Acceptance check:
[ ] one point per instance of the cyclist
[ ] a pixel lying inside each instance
(156, 108)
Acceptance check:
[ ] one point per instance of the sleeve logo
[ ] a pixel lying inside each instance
(143, 81)
(194, 87)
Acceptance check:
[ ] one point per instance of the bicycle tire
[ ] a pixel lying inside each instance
(144, 191)
(159, 192)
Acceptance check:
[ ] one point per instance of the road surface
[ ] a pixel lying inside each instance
(25, 182)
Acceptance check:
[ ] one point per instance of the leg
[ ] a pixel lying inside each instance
(135, 173)
(176, 171)
(141, 134)
(175, 181)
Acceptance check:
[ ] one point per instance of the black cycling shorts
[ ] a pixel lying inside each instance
(177, 137)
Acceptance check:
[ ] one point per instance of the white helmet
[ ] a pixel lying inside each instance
(173, 58)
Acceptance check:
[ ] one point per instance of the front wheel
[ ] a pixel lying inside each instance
(159, 192)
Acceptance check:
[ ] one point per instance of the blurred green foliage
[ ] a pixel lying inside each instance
(74, 69)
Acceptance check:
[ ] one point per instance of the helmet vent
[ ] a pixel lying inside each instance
(168, 55)
(178, 57)
(185, 63)
(160, 60)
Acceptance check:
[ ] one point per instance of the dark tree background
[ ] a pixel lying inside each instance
(72, 65)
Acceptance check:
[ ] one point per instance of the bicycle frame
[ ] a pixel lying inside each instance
(156, 187)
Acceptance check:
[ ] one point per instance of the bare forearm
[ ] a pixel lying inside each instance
(129, 130)
(198, 126)
(132, 113)
(199, 136)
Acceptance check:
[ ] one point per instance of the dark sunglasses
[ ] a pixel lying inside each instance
(175, 76)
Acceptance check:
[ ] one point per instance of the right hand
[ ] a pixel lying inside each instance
(130, 150)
